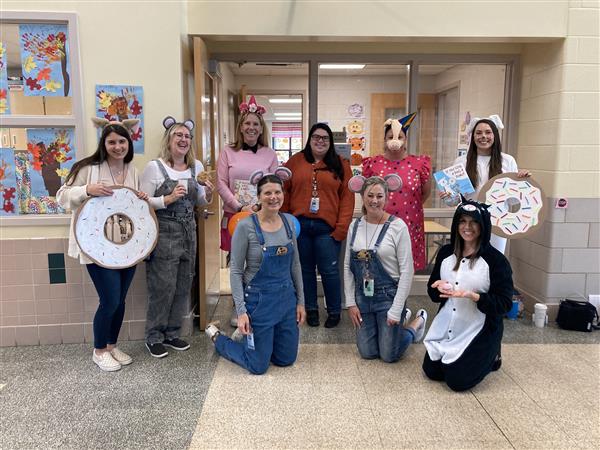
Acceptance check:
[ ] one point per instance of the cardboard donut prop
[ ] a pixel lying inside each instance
(116, 231)
(517, 205)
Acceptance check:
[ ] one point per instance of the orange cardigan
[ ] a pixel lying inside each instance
(336, 201)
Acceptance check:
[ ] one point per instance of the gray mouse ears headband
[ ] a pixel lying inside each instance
(392, 181)
(169, 121)
(283, 173)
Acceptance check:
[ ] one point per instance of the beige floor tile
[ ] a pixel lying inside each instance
(561, 444)
(390, 442)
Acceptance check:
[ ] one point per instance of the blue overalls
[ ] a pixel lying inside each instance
(271, 305)
(170, 269)
(375, 338)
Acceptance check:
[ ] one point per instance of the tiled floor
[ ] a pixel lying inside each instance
(546, 395)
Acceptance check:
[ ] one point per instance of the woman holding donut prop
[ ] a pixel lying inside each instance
(237, 161)
(485, 160)
(266, 284)
(415, 171)
(174, 192)
(92, 177)
(472, 282)
(378, 272)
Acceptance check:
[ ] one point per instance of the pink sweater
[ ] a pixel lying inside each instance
(239, 165)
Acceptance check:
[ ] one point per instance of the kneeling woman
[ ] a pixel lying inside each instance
(378, 272)
(473, 282)
(266, 283)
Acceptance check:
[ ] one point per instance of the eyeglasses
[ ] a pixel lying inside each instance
(317, 138)
(182, 135)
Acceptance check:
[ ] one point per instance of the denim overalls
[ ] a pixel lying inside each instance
(170, 269)
(375, 338)
(271, 305)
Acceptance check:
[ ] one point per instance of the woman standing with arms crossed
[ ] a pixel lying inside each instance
(378, 273)
(485, 160)
(237, 161)
(415, 171)
(174, 193)
(266, 284)
(319, 197)
(91, 177)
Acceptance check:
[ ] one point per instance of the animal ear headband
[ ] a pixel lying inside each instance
(495, 118)
(169, 121)
(392, 181)
(398, 124)
(128, 124)
(283, 173)
(252, 107)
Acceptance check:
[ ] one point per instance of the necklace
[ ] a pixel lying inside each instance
(367, 240)
(122, 172)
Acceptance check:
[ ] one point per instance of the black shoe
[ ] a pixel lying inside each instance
(332, 321)
(497, 363)
(157, 350)
(176, 344)
(312, 318)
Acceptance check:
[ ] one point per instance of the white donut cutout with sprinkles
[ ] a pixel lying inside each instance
(503, 193)
(91, 219)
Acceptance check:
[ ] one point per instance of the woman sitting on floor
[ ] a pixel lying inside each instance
(473, 282)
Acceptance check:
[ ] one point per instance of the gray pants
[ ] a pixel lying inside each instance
(169, 274)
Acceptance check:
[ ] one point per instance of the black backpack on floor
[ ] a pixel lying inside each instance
(577, 315)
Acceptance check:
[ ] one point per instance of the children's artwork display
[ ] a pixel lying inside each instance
(41, 170)
(45, 59)
(4, 99)
(454, 180)
(8, 182)
(123, 102)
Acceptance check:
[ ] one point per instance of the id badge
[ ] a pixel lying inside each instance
(368, 287)
(314, 205)
(250, 341)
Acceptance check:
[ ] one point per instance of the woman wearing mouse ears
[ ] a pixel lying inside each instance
(174, 192)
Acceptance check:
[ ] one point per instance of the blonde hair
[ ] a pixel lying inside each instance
(165, 152)
(369, 183)
(263, 139)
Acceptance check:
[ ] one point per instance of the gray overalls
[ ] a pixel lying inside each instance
(170, 269)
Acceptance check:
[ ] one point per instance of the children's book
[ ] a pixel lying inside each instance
(454, 180)
(244, 192)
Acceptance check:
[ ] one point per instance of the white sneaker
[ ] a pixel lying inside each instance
(237, 336)
(420, 331)
(122, 358)
(106, 361)
(407, 318)
(212, 330)
(234, 320)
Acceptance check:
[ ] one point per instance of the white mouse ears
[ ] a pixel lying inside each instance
(392, 181)
(283, 173)
(169, 121)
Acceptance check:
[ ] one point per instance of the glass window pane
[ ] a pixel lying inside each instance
(449, 96)
(356, 100)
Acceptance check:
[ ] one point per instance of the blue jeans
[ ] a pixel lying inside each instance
(112, 286)
(376, 339)
(319, 250)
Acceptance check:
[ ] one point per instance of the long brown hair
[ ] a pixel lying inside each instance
(496, 156)
(101, 155)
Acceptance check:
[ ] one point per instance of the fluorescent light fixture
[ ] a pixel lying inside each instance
(289, 114)
(285, 100)
(342, 66)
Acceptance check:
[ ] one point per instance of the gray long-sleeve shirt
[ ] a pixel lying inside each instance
(246, 258)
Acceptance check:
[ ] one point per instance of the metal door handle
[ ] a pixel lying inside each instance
(206, 213)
